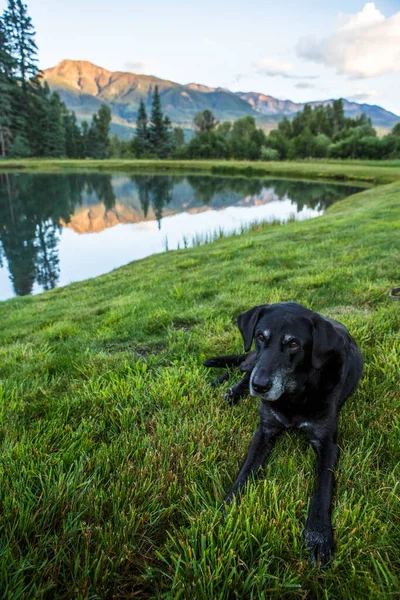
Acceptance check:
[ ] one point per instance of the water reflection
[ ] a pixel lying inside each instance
(155, 191)
(35, 210)
(32, 208)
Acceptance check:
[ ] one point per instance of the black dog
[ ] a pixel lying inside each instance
(303, 368)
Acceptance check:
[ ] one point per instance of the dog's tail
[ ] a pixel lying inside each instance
(233, 360)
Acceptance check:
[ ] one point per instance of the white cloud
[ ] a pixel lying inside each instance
(303, 85)
(363, 95)
(236, 78)
(365, 44)
(273, 68)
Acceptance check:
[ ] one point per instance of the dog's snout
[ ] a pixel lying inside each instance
(262, 387)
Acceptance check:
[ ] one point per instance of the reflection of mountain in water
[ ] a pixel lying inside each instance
(138, 198)
(35, 207)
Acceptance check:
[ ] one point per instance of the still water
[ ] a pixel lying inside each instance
(59, 228)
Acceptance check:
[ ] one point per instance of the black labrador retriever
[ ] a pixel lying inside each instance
(303, 368)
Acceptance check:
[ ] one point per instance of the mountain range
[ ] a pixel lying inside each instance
(84, 87)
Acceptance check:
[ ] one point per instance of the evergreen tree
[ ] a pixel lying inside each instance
(149, 95)
(35, 125)
(21, 36)
(7, 87)
(85, 139)
(142, 132)
(73, 136)
(34, 121)
(158, 129)
(103, 128)
(22, 121)
(54, 142)
(98, 142)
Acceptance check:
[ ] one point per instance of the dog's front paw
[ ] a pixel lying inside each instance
(319, 539)
(231, 397)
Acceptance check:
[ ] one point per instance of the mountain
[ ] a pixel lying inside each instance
(267, 105)
(84, 87)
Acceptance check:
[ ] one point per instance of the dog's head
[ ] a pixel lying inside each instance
(291, 343)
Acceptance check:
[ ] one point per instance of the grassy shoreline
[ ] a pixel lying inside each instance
(116, 451)
(378, 172)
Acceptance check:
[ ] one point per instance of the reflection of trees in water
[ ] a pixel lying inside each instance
(315, 195)
(303, 193)
(158, 191)
(47, 269)
(155, 191)
(100, 185)
(17, 234)
(31, 207)
(206, 188)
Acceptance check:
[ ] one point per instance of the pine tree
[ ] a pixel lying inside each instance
(21, 36)
(149, 95)
(103, 128)
(36, 113)
(73, 135)
(98, 140)
(158, 129)
(142, 132)
(7, 87)
(85, 139)
(54, 142)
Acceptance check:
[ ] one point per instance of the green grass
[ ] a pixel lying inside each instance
(116, 451)
(349, 170)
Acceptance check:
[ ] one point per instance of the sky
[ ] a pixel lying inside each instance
(300, 50)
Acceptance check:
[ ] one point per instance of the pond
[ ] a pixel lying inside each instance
(59, 228)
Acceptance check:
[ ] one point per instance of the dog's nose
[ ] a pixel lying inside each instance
(262, 387)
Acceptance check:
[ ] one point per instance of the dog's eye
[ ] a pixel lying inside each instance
(261, 337)
(293, 345)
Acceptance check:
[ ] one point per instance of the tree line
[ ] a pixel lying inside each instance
(325, 132)
(33, 120)
(320, 132)
(155, 138)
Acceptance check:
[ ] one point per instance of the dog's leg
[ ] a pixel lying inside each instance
(261, 446)
(245, 362)
(238, 390)
(232, 360)
(221, 379)
(318, 531)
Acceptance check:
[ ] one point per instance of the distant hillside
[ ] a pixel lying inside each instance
(84, 86)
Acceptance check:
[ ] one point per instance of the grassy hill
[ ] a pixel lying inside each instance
(116, 451)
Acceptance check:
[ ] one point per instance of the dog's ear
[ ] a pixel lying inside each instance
(327, 341)
(247, 322)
